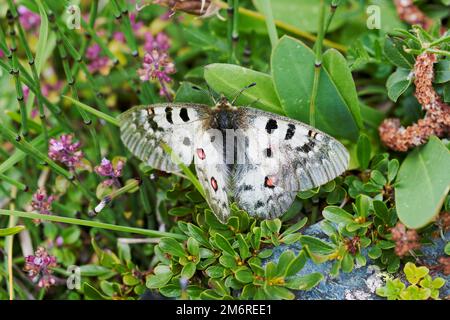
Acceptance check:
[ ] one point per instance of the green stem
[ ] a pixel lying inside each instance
(317, 65)
(91, 223)
(13, 182)
(94, 111)
(270, 23)
(127, 29)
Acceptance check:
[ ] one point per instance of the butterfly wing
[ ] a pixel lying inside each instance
(143, 130)
(286, 156)
(212, 171)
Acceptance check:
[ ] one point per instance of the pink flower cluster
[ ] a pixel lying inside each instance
(65, 151)
(39, 267)
(28, 19)
(97, 62)
(107, 169)
(42, 203)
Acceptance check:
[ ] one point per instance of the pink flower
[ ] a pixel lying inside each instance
(157, 66)
(64, 151)
(160, 42)
(42, 203)
(107, 169)
(28, 19)
(39, 267)
(1, 54)
(119, 36)
(136, 25)
(96, 61)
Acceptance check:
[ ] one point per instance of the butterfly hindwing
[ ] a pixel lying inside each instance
(145, 128)
(288, 157)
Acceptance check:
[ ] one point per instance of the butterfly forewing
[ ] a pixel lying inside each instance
(145, 128)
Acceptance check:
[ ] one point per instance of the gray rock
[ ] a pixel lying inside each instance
(361, 283)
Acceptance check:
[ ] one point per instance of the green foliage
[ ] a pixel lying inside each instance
(422, 285)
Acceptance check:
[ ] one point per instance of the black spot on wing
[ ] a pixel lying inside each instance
(271, 125)
(269, 152)
(307, 147)
(290, 132)
(169, 115)
(186, 141)
(247, 187)
(184, 114)
(259, 204)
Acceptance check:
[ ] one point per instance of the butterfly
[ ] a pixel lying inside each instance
(257, 159)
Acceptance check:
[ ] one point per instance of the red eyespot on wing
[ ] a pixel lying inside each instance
(201, 153)
(214, 184)
(269, 182)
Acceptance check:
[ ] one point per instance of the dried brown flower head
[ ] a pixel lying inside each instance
(411, 14)
(437, 118)
(405, 240)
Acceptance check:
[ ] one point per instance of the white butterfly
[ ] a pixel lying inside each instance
(257, 159)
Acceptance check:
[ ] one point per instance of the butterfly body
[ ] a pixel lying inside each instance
(254, 158)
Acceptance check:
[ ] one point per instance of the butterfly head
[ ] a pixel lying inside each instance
(223, 104)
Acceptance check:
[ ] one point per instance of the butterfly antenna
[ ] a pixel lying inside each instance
(208, 93)
(241, 91)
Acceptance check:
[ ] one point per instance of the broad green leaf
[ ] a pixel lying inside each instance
(297, 264)
(11, 231)
(397, 83)
(244, 250)
(381, 211)
(423, 182)
(130, 280)
(363, 151)
(393, 49)
(170, 291)
(393, 169)
(347, 263)
(337, 215)
(295, 227)
(93, 270)
(306, 282)
(306, 15)
(228, 79)
(193, 246)
(442, 72)
(293, 73)
(186, 93)
(413, 273)
(198, 235)
(336, 65)
(215, 271)
(447, 249)
(172, 247)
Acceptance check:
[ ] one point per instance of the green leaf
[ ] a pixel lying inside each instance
(130, 280)
(337, 67)
(393, 169)
(228, 79)
(381, 211)
(306, 15)
(295, 227)
(228, 261)
(374, 252)
(422, 184)
(186, 93)
(198, 235)
(413, 273)
(278, 293)
(244, 275)
(284, 261)
(93, 270)
(317, 246)
(447, 249)
(42, 45)
(265, 253)
(306, 282)
(347, 263)
(377, 177)
(71, 234)
(297, 264)
(224, 245)
(11, 231)
(170, 291)
(271, 270)
(172, 247)
(180, 211)
(337, 215)
(193, 247)
(363, 151)
(393, 49)
(162, 275)
(188, 270)
(92, 293)
(398, 82)
(442, 71)
(215, 272)
(293, 73)
(244, 250)
(362, 205)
